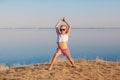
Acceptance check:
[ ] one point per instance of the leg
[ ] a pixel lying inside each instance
(70, 59)
(58, 52)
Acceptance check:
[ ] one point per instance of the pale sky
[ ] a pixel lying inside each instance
(45, 13)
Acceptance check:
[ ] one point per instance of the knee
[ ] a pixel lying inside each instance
(68, 56)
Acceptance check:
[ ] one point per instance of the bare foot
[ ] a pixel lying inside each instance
(73, 66)
(49, 68)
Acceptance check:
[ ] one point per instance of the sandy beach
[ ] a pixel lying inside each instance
(62, 70)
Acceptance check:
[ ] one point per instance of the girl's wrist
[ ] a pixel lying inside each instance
(59, 21)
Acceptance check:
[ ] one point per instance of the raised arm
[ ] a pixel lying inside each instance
(57, 26)
(69, 26)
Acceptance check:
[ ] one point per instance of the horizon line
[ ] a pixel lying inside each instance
(53, 28)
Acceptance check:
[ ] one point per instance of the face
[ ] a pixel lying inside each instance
(63, 29)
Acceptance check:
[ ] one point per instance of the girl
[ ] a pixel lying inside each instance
(62, 42)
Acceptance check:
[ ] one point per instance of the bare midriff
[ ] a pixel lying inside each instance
(62, 45)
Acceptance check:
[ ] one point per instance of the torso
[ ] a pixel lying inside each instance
(62, 41)
(62, 45)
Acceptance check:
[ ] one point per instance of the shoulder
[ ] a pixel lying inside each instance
(67, 35)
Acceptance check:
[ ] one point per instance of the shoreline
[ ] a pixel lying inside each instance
(20, 64)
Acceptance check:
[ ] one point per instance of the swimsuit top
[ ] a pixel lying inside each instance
(62, 38)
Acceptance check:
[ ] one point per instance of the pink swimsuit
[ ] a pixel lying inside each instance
(64, 51)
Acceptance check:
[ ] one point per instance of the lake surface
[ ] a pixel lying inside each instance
(28, 46)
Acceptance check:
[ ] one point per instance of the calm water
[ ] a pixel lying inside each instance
(27, 46)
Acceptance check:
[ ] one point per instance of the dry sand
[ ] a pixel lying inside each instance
(62, 70)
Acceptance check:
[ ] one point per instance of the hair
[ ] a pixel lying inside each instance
(63, 25)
